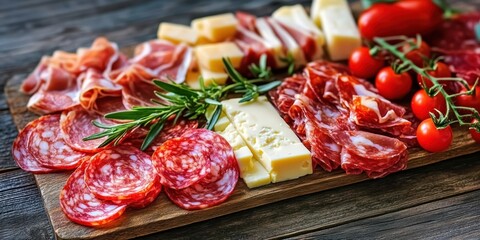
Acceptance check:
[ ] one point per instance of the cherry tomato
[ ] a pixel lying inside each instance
(472, 101)
(475, 135)
(422, 104)
(417, 55)
(364, 65)
(391, 85)
(441, 71)
(432, 139)
(408, 17)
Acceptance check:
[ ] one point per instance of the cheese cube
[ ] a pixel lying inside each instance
(340, 30)
(257, 176)
(177, 33)
(216, 28)
(192, 79)
(269, 138)
(210, 56)
(318, 5)
(210, 76)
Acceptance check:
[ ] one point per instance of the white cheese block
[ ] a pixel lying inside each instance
(318, 5)
(269, 138)
(340, 30)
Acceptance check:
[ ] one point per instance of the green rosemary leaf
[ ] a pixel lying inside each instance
(212, 101)
(268, 86)
(234, 74)
(215, 116)
(101, 125)
(128, 115)
(152, 134)
(175, 88)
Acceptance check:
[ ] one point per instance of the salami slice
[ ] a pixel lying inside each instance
(49, 148)
(120, 173)
(217, 185)
(82, 207)
(181, 162)
(76, 124)
(150, 197)
(21, 150)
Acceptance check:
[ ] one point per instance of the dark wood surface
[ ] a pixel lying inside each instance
(436, 201)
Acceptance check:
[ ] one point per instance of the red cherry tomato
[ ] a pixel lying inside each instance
(432, 139)
(422, 104)
(472, 101)
(417, 55)
(441, 71)
(475, 135)
(408, 17)
(391, 85)
(364, 65)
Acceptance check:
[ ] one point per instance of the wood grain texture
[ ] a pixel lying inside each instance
(19, 193)
(163, 215)
(443, 219)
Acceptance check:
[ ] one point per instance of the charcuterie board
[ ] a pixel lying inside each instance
(163, 214)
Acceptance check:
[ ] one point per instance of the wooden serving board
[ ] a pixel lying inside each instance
(163, 215)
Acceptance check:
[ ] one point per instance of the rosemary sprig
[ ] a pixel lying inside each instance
(262, 70)
(180, 100)
(461, 115)
(290, 61)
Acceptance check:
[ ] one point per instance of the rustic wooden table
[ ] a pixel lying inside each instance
(437, 201)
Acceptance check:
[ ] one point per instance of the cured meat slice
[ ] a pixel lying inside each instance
(181, 162)
(43, 102)
(150, 197)
(49, 148)
(95, 86)
(246, 20)
(21, 150)
(106, 105)
(172, 131)
(216, 186)
(253, 47)
(164, 59)
(376, 113)
(283, 96)
(82, 206)
(76, 124)
(364, 151)
(120, 173)
(101, 56)
(138, 88)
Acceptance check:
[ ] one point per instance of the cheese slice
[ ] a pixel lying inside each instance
(318, 5)
(177, 33)
(210, 56)
(257, 176)
(340, 30)
(269, 138)
(216, 28)
(295, 16)
(209, 77)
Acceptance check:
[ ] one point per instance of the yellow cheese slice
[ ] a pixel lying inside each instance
(318, 5)
(210, 56)
(216, 28)
(210, 76)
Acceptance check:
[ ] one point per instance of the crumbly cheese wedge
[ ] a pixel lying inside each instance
(269, 138)
(340, 30)
(271, 39)
(318, 5)
(216, 28)
(252, 172)
(297, 17)
(288, 42)
(177, 33)
(209, 56)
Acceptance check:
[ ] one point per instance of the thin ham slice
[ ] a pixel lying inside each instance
(94, 86)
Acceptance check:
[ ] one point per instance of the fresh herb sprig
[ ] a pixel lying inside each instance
(290, 61)
(454, 114)
(180, 100)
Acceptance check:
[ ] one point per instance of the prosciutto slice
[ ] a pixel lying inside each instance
(95, 86)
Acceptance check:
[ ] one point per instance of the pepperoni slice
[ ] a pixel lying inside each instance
(82, 207)
(76, 124)
(49, 148)
(181, 162)
(21, 150)
(216, 186)
(150, 197)
(120, 173)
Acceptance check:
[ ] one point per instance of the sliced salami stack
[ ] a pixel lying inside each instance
(198, 169)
